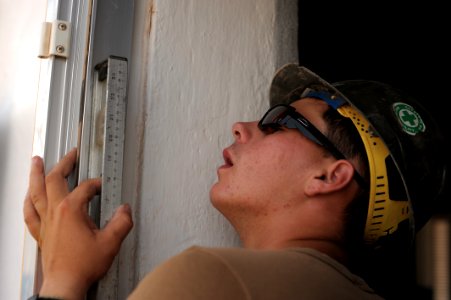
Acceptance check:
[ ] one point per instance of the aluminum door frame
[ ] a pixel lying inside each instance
(98, 29)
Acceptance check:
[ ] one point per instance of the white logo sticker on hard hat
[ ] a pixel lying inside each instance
(409, 119)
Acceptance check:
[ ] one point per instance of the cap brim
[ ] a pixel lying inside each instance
(291, 81)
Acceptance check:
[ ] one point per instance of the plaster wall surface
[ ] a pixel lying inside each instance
(197, 67)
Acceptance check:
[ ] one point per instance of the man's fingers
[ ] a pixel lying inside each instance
(84, 192)
(31, 217)
(118, 227)
(57, 186)
(36, 190)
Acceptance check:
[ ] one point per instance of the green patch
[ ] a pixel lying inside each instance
(409, 119)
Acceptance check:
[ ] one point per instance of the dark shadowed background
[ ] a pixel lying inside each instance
(402, 44)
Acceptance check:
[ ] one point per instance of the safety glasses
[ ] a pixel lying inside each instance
(287, 116)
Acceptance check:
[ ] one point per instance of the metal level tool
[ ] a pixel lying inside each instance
(102, 149)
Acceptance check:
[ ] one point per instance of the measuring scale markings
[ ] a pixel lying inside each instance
(107, 153)
(114, 138)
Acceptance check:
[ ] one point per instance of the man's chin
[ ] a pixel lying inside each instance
(217, 196)
(214, 194)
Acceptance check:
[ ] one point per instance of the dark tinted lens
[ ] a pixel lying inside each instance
(272, 116)
(269, 123)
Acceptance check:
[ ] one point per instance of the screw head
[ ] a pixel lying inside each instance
(60, 49)
(62, 26)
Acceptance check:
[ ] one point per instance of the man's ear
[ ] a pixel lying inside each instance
(336, 176)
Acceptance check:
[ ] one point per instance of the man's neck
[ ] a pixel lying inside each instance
(326, 246)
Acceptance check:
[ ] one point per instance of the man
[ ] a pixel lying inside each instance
(330, 176)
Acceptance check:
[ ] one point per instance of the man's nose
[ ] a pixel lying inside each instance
(243, 131)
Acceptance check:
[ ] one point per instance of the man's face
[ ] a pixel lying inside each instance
(264, 173)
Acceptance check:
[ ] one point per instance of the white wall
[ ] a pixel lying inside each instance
(19, 39)
(197, 67)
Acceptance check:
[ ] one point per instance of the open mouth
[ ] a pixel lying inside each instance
(227, 159)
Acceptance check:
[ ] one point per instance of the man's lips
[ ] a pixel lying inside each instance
(227, 159)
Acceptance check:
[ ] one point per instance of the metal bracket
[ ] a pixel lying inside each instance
(55, 39)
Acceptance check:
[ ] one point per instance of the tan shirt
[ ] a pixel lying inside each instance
(235, 273)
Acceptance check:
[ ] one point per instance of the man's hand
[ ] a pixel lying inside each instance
(75, 253)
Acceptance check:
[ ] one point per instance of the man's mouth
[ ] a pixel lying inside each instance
(227, 160)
